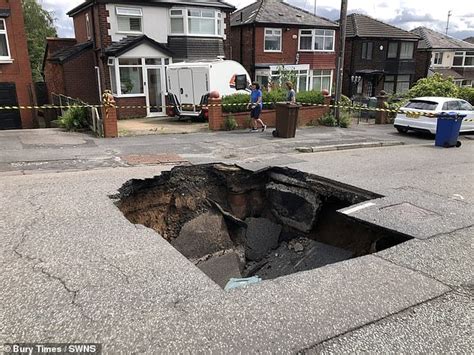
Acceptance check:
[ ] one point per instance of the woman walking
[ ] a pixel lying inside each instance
(256, 105)
(291, 96)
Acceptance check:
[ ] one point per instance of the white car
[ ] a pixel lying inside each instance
(411, 116)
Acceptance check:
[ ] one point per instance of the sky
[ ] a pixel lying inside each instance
(401, 13)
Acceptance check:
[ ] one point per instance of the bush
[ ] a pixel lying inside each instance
(74, 118)
(328, 119)
(345, 119)
(310, 97)
(230, 123)
(235, 103)
(466, 94)
(434, 85)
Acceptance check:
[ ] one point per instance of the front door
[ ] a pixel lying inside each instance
(154, 92)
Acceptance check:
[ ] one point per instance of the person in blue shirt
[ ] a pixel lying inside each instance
(256, 108)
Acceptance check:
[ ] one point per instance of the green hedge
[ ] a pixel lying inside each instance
(238, 102)
(310, 97)
(466, 94)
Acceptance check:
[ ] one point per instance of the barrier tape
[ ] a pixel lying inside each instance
(107, 103)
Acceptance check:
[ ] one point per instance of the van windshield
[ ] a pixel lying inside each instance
(422, 105)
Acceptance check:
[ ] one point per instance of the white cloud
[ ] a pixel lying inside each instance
(407, 14)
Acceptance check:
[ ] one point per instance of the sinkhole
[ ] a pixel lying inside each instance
(234, 223)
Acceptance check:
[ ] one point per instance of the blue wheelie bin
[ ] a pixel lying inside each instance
(447, 129)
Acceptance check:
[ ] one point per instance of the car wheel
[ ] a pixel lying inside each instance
(401, 129)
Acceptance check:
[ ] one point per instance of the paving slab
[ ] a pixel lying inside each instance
(441, 326)
(447, 258)
(414, 212)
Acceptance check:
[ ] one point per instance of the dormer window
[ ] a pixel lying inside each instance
(129, 19)
(4, 49)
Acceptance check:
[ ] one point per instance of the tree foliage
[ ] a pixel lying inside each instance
(434, 85)
(39, 24)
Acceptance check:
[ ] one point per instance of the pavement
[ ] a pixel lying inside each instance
(75, 270)
(159, 125)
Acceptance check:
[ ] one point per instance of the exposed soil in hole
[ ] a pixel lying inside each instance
(232, 222)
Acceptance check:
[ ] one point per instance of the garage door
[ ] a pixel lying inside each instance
(9, 119)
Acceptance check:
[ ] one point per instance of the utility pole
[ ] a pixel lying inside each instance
(447, 22)
(340, 56)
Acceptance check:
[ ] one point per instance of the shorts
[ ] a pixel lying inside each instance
(255, 113)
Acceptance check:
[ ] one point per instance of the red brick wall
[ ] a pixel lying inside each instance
(54, 77)
(242, 47)
(228, 40)
(80, 28)
(123, 113)
(289, 47)
(423, 62)
(319, 60)
(81, 78)
(18, 72)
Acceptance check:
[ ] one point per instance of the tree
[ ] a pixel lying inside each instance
(39, 24)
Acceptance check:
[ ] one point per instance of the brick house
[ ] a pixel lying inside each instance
(270, 36)
(16, 83)
(443, 54)
(125, 45)
(378, 57)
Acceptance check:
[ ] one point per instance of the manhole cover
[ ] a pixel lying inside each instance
(409, 211)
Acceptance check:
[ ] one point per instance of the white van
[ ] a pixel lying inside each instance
(189, 84)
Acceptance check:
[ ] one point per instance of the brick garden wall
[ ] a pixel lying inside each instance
(123, 113)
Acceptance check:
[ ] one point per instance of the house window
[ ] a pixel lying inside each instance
(322, 80)
(389, 84)
(403, 83)
(201, 22)
(131, 76)
(406, 50)
(88, 27)
(437, 58)
(272, 40)
(177, 21)
(196, 22)
(129, 19)
(392, 50)
(317, 40)
(367, 49)
(4, 49)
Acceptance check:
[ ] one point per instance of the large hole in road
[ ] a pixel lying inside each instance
(234, 223)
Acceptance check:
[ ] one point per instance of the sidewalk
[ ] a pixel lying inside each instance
(158, 125)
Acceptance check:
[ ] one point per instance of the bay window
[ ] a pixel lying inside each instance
(196, 22)
(316, 40)
(4, 49)
(129, 19)
(272, 40)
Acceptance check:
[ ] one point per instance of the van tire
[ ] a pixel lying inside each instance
(401, 129)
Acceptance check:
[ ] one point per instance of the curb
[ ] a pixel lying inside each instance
(346, 146)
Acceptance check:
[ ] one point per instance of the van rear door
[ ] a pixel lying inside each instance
(186, 92)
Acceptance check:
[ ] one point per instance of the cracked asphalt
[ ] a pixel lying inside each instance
(73, 269)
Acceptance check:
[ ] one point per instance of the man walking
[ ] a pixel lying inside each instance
(256, 106)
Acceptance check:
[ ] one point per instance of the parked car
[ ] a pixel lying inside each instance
(412, 115)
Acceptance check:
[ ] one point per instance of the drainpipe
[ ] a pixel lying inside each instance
(99, 86)
(253, 51)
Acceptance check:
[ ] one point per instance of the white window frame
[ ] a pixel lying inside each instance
(437, 57)
(120, 11)
(218, 19)
(8, 57)
(88, 26)
(330, 82)
(274, 32)
(313, 40)
(464, 56)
